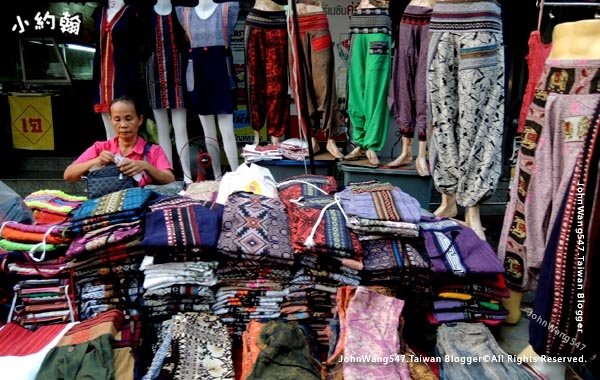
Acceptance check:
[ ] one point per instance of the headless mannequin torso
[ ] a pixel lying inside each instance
(178, 117)
(114, 6)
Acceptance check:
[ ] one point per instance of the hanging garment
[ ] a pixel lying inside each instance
(564, 77)
(266, 41)
(536, 57)
(561, 295)
(369, 76)
(568, 120)
(316, 66)
(116, 61)
(164, 68)
(207, 66)
(409, 73)
(466, 87)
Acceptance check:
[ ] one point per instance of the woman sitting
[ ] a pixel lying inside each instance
(126, 150)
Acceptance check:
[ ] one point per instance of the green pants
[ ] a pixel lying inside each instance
(368, 81)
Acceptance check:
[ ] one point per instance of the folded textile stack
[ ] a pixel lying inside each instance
(473, 299)
(249, 291)
(255, 243)
(177, 287)
(327, 253)
(294, 149)
(52, 206)
(33, 250)
(105, 265)
(470, 284)
(39, 302)
(255, 153)
(118, 207)
(180, 237)
(378, 210)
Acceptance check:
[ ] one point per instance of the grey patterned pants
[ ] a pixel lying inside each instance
(466, 88)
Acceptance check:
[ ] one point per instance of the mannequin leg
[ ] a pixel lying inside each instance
(209, 126)
(256, 137)
(275, 140)
(421, 162)
(405, 156)
(315, 145)
(513, 305)
(110, 130)
(228, 136)
(356, 153)
(161, 116)
(448, 207)
(333, 149)
(473, 220)
(372, 157)
(179, 118)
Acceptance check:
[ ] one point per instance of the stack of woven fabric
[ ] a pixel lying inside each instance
(180, 237)
(41, 302)
(256, 260)
(327, 254)
(106, 256)
(470, 284)
(52, 206)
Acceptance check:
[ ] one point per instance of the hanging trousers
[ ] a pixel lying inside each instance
(466, 88)
(409, 73)
(318, 72)
(369, 77)
(266, 41)
(565, 77)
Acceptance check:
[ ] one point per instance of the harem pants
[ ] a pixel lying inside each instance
(266, 41)
(466, 89)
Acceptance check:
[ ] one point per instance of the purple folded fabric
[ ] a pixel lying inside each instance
(454, 248)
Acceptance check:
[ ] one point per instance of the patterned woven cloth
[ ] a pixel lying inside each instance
(257, 228)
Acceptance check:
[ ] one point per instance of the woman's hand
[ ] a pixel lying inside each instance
(106, 158)
(133, 167)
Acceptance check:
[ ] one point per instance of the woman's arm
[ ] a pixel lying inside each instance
(74, 171)
(133, 167)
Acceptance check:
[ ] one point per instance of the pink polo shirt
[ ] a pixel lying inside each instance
(156, 156)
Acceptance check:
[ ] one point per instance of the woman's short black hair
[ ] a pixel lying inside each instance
(125, 99)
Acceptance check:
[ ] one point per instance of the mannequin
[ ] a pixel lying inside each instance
(208, 69)
(318, 73)
(114, 6)
(266, 41)
(165, 87)
(466, 138)
(409, 81)
(369, 71)
(116, 74)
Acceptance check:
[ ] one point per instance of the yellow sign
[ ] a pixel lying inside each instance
(31, 122)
